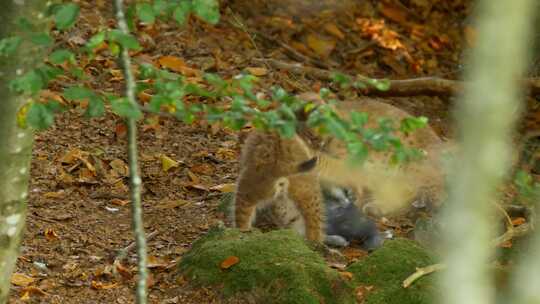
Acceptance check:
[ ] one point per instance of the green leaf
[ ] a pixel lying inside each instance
(61, 56)
(95, 41)
(287, 129)
(341, 79)
(127, 41)
(29, 83)
(157, 101)
(66, 15)
(359, 119)
(379, 84)
(145, 12)
(181, 12)
(358, 151)
(78, 93)
(124, 108)
(48, 73)
(41, 39)
(207, 10)
(410, 124)
(9, 45)
(95, 107)
(40, 116)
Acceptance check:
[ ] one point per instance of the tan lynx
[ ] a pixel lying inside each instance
(390, 187)
(267, 160)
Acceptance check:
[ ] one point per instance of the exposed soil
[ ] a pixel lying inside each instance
(79, 213)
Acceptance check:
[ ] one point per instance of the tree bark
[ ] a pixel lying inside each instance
(486, 115)
(15, 145)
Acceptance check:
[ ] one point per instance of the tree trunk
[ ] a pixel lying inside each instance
(15, 145)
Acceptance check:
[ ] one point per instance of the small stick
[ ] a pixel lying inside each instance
(122, 253)
(422, 271)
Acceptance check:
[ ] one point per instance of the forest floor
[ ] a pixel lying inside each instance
(79, 211)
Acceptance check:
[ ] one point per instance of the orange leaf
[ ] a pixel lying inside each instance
(119, 202)
(346, 275)
(101, 285)
(257, 71)
(205, 169)
(120, 130)
(518, 221)
(320, 45)
(229, 262)
(50, 234)
(20, 279)
(156, 262)
(176, 64)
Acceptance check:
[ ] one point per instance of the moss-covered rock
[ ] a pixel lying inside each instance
(386, 268)
(274, 267)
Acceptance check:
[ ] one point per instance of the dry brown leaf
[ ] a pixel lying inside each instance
(34, 290)
(506, 244)
(100, 285)
(257, 71)
(177, 64)
(119, 202)
(120, 167)
(346, 275)
(124, 272)
(57, 194)
(157, 262)
(204, 168)
(224, 188)
(229, 262)
(332, 29)
(50, 234)
(120, 130)
(393, 12)
(167, 163)
(322, 46)
(172, 204)
(226, 154)
(20, 279)
(71, 156)
(354, 253)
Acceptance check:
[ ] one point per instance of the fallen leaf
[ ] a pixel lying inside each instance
(506, 244)
(177, 64)
(518, 221)
(346, 275)
(229, 262)
(322, 46)
(101, 285)
(119, 202)
(167, 163)
(50, 234)
(123, 271)
(257, 71)
(194, 178)
(156, 262)
(205, 169)
(393, 12)
(224, 188)
(171, 204)
(120, 167)
(20, 279)
(120, 130)
(57, 194)
(34, 290)
(332, 29)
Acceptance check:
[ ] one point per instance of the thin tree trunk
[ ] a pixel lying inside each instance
(15, 146)
(486, 118)
(134, 176)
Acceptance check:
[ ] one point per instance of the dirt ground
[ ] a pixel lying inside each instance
(79, 213)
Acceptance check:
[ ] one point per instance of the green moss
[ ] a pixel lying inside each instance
(274, 267)
(386, 268)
